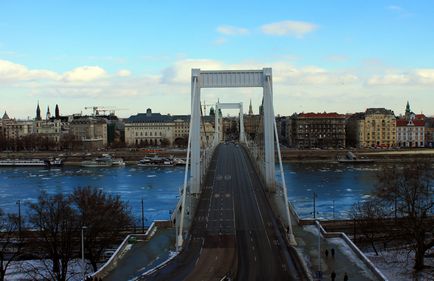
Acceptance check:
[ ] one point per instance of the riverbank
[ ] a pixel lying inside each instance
(288, 155)
(380, 155)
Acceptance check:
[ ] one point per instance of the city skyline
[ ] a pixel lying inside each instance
(335, 56)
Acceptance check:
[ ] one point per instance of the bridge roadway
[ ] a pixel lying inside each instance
(234, 232)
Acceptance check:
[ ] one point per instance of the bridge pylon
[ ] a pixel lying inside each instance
(218, 118)
(231, 79)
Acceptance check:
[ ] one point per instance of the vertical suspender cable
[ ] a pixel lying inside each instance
(184, 190)
(285, 193)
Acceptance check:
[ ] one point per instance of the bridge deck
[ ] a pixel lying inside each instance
(234, 231)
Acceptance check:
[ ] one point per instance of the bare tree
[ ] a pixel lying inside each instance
(369, 217)
(10, 242)
(56, 222)
(104, 216)
(408, 189)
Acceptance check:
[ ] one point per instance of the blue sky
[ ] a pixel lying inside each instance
(339, 56)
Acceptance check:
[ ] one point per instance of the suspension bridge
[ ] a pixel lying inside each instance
(232, 220)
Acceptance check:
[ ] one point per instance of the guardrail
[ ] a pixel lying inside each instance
(341, 235)
(353, 247)
(122, 249)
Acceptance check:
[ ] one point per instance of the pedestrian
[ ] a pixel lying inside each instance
(327, 253)
(333, 275)
(333, 252)
(345, 277)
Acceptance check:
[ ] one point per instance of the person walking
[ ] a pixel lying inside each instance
(326, 253)
(345, 277)
(333, 275)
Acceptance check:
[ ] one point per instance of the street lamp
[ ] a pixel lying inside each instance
(314, 205)
(319, 250)
(19, 217)
(333, 209)
(143, 218)
(83, 268)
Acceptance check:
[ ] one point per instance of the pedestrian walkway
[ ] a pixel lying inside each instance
(344, 260)
(144, 255)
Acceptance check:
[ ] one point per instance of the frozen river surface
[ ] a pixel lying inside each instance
(337, 186)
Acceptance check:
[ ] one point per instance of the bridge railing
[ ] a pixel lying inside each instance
(257, 157)
(205, 159)
(112, 263)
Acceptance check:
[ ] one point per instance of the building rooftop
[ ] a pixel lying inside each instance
(150, 117)
(321, 115)
(404, 123)
(380, 110)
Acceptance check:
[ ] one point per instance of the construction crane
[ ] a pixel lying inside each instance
(97, 109)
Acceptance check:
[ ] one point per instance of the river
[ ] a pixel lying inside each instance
(337, 186)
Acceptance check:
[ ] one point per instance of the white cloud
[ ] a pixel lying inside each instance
(288, 28)
(85, 74)
(180, 72)
(425, 76)
(307, 88)
(219, 41)
(19, 72)
(124, 73)
(390, 79)
(394, 8)
(412, 78)
(232, 30)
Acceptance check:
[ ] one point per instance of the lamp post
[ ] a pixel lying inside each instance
(83, 268)
(143, 218)
(19, 218)
(314, 205)
(333, 209)
(319, 251)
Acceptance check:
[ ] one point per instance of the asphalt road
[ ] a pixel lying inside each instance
(234, 232)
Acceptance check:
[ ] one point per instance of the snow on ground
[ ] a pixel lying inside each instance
(397, 265)
(311, 228)
(352, 256)
(39, 269)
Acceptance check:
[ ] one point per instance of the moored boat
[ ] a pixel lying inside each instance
(352, 158)
(56, 162)
(105, 160)
(156, 161)
(179, 161)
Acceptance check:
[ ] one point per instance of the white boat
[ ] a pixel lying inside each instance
(118, 162)
(56, 162)
(104, 161)
(156, 161)
(179, 161)
(352, 158)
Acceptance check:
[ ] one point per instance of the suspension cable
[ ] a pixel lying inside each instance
(184, 190)
(203, 125)
(285, 193)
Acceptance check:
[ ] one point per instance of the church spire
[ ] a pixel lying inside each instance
(38, 113)
(57, 112)
(408, 112)
(250, 108)
(5, 116)
(48, 113)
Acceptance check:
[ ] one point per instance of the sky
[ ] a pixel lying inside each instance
(334, 56)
